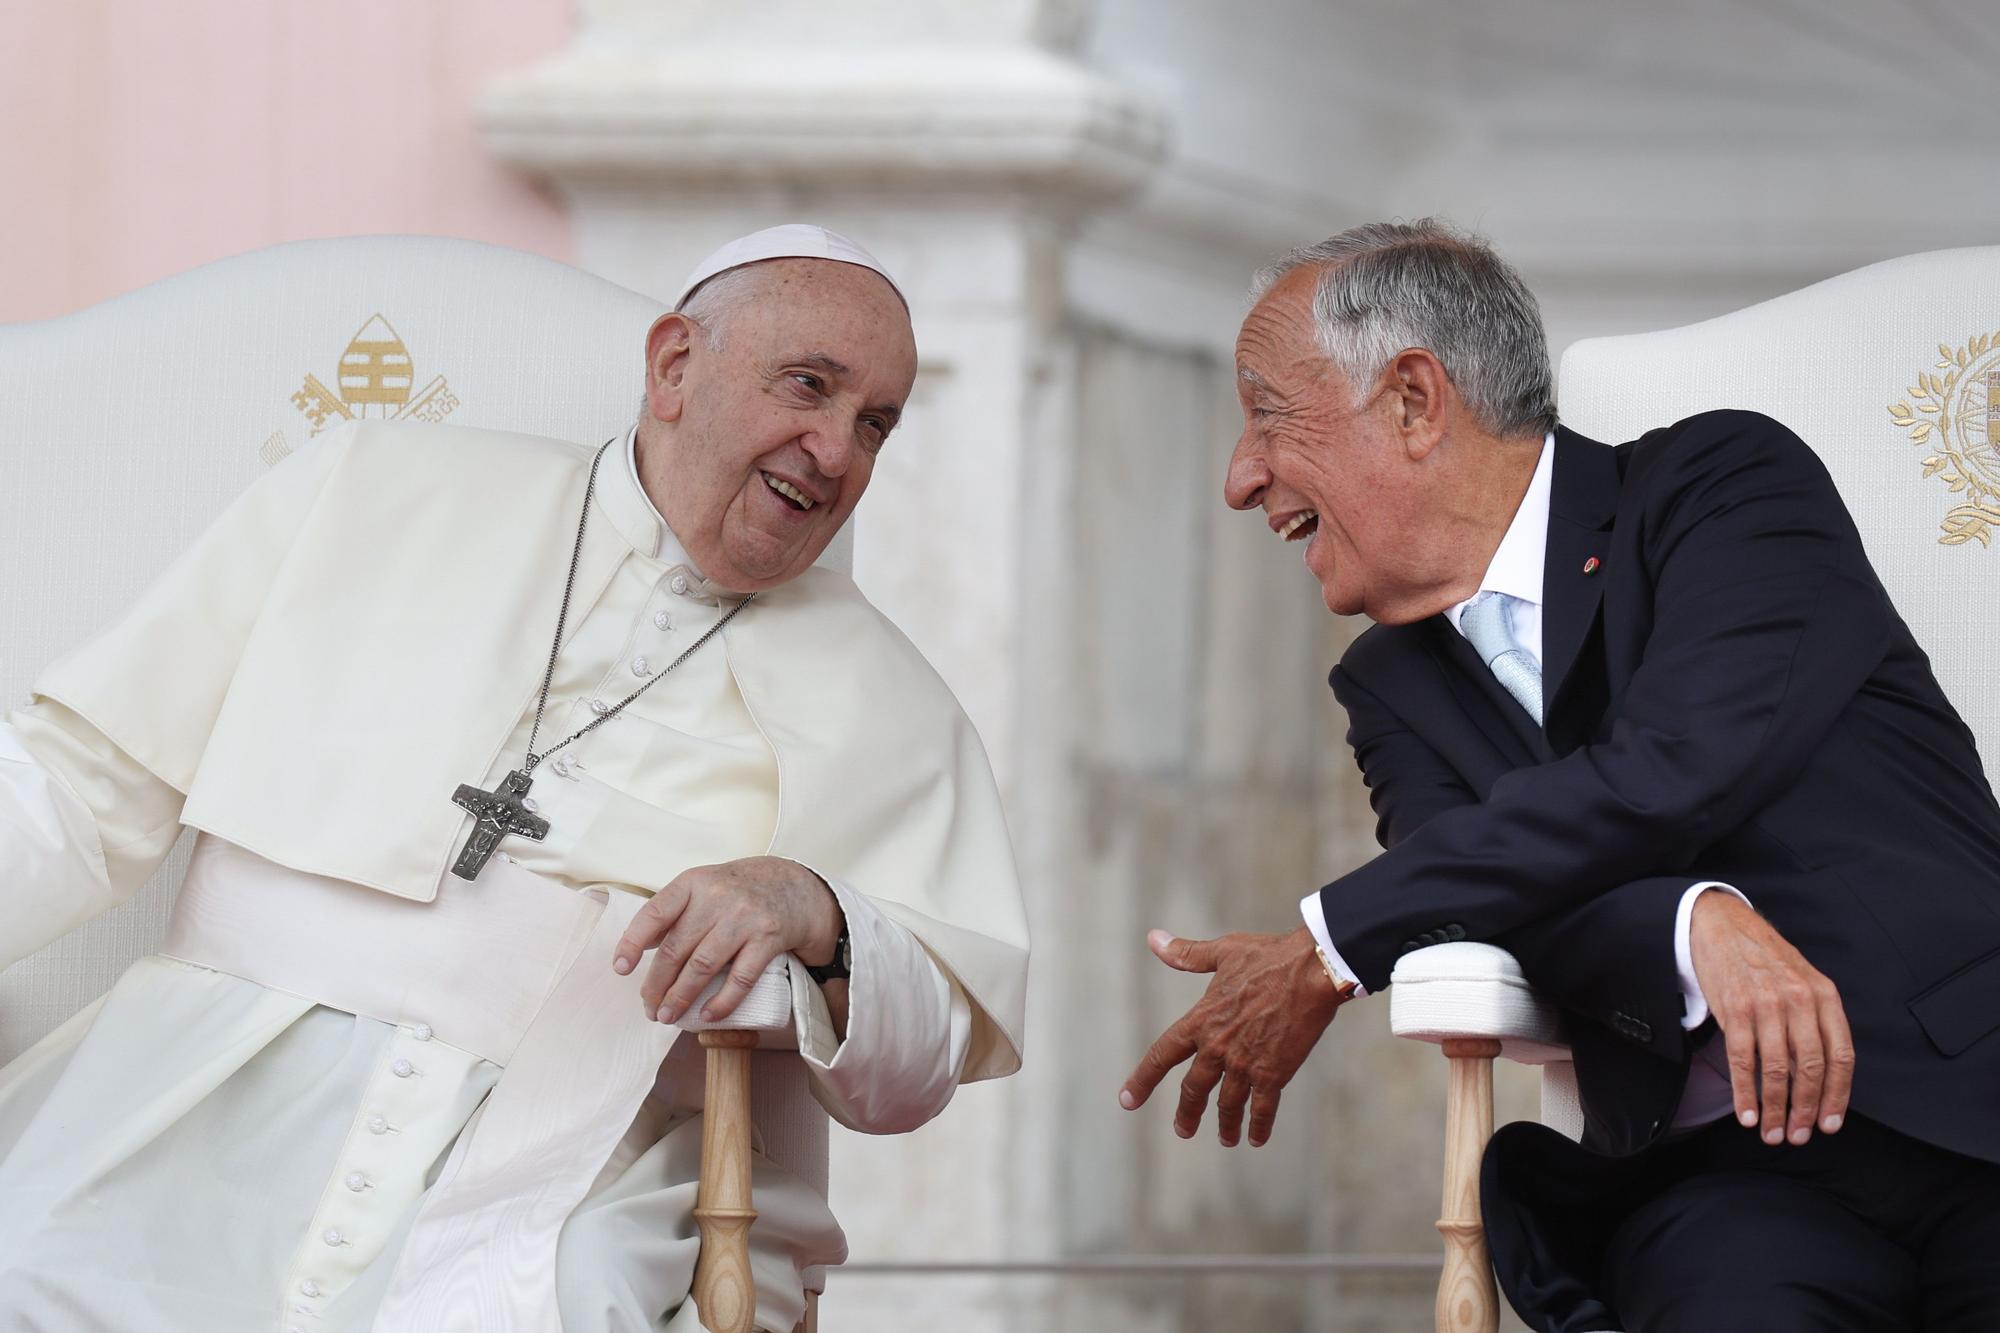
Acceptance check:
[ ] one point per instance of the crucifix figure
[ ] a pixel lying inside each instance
(502, 811)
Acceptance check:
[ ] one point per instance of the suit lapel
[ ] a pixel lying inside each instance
(1583, 499)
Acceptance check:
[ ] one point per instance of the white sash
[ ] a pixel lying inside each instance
(514, 968)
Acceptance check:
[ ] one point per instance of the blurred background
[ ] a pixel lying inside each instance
(1075, 194)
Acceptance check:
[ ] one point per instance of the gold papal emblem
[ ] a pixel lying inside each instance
(377, 379)
(1954, 411)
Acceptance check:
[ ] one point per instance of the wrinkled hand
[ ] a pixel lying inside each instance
(1259, 1019)
(1780, 1017)
(737, 916)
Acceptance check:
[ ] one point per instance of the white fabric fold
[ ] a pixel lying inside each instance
(512, 971)
(480, 1256)
(909, 1027)
(52, 873)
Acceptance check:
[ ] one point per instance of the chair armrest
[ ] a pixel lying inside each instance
(767, 1008)
(725, 1290)
(1466, 990)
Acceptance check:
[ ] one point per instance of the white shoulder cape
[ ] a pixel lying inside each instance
(387, 594)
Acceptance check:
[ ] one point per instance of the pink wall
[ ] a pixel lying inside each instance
(140, 138)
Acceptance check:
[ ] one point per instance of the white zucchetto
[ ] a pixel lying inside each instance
(792, 240)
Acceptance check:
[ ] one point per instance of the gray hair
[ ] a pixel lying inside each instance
(1387, 286)
(711, 304)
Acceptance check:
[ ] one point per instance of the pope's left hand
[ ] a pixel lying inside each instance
(733, 917)
(1259, 1019)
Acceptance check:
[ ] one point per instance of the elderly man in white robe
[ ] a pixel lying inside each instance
(468, 724)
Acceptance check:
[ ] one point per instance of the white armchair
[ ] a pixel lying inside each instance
(129, 425)
(1892, 374)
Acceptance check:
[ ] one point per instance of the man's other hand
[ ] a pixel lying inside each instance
(1262, 1014)
(734, 917)
(1781, 1018)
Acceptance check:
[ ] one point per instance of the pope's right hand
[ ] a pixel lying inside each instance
(735, 917)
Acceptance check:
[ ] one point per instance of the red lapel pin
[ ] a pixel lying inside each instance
(1590, 565)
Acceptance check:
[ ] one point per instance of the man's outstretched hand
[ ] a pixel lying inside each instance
(1266, 1007)
(1781, 1019)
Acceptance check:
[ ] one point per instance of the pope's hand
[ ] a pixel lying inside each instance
(1262, 1014)
(735, 917)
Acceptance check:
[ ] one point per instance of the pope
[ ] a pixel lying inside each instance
(504, 757)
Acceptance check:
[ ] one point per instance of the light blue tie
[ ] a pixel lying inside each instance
(1488, 628)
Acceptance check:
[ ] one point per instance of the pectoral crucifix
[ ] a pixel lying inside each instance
(504, 810)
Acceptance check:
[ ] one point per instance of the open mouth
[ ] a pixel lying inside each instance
(1300, 527)
(787, 492)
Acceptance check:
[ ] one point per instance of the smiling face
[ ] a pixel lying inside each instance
(1398, 493)
(1331, 468)
(757, 449)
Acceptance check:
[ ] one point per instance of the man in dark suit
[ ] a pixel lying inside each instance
(1645, 716)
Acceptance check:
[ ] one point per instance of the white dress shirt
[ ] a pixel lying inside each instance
(1516, 570)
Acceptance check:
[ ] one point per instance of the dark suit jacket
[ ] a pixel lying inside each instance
(1729, 695)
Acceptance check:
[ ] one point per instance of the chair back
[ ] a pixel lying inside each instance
(128, 426)
(1891, 374)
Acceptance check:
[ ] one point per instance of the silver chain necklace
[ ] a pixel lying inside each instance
(506, 809)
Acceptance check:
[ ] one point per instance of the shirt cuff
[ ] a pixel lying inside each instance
(908, 1026)
(1694, 1002)
(1315, 914)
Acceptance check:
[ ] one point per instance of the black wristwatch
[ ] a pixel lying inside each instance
(842, 965)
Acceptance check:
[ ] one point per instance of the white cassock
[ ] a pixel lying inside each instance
(354, 1091)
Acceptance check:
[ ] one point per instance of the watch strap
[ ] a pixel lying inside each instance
(842, 965)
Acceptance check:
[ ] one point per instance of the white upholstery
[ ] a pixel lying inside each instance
(1830, 361)
(1473, 990)
(1835, 362)
(767, 1008)
(126, 427)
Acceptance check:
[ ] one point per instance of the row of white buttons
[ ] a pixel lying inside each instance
(663, 621)
(357, 1181)
(642, 667)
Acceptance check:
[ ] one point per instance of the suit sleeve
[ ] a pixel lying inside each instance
(1608, 960)
(1408, 782)
(1766, 621)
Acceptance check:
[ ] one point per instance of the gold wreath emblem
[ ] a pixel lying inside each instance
(1956, 414)
(377, 379)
